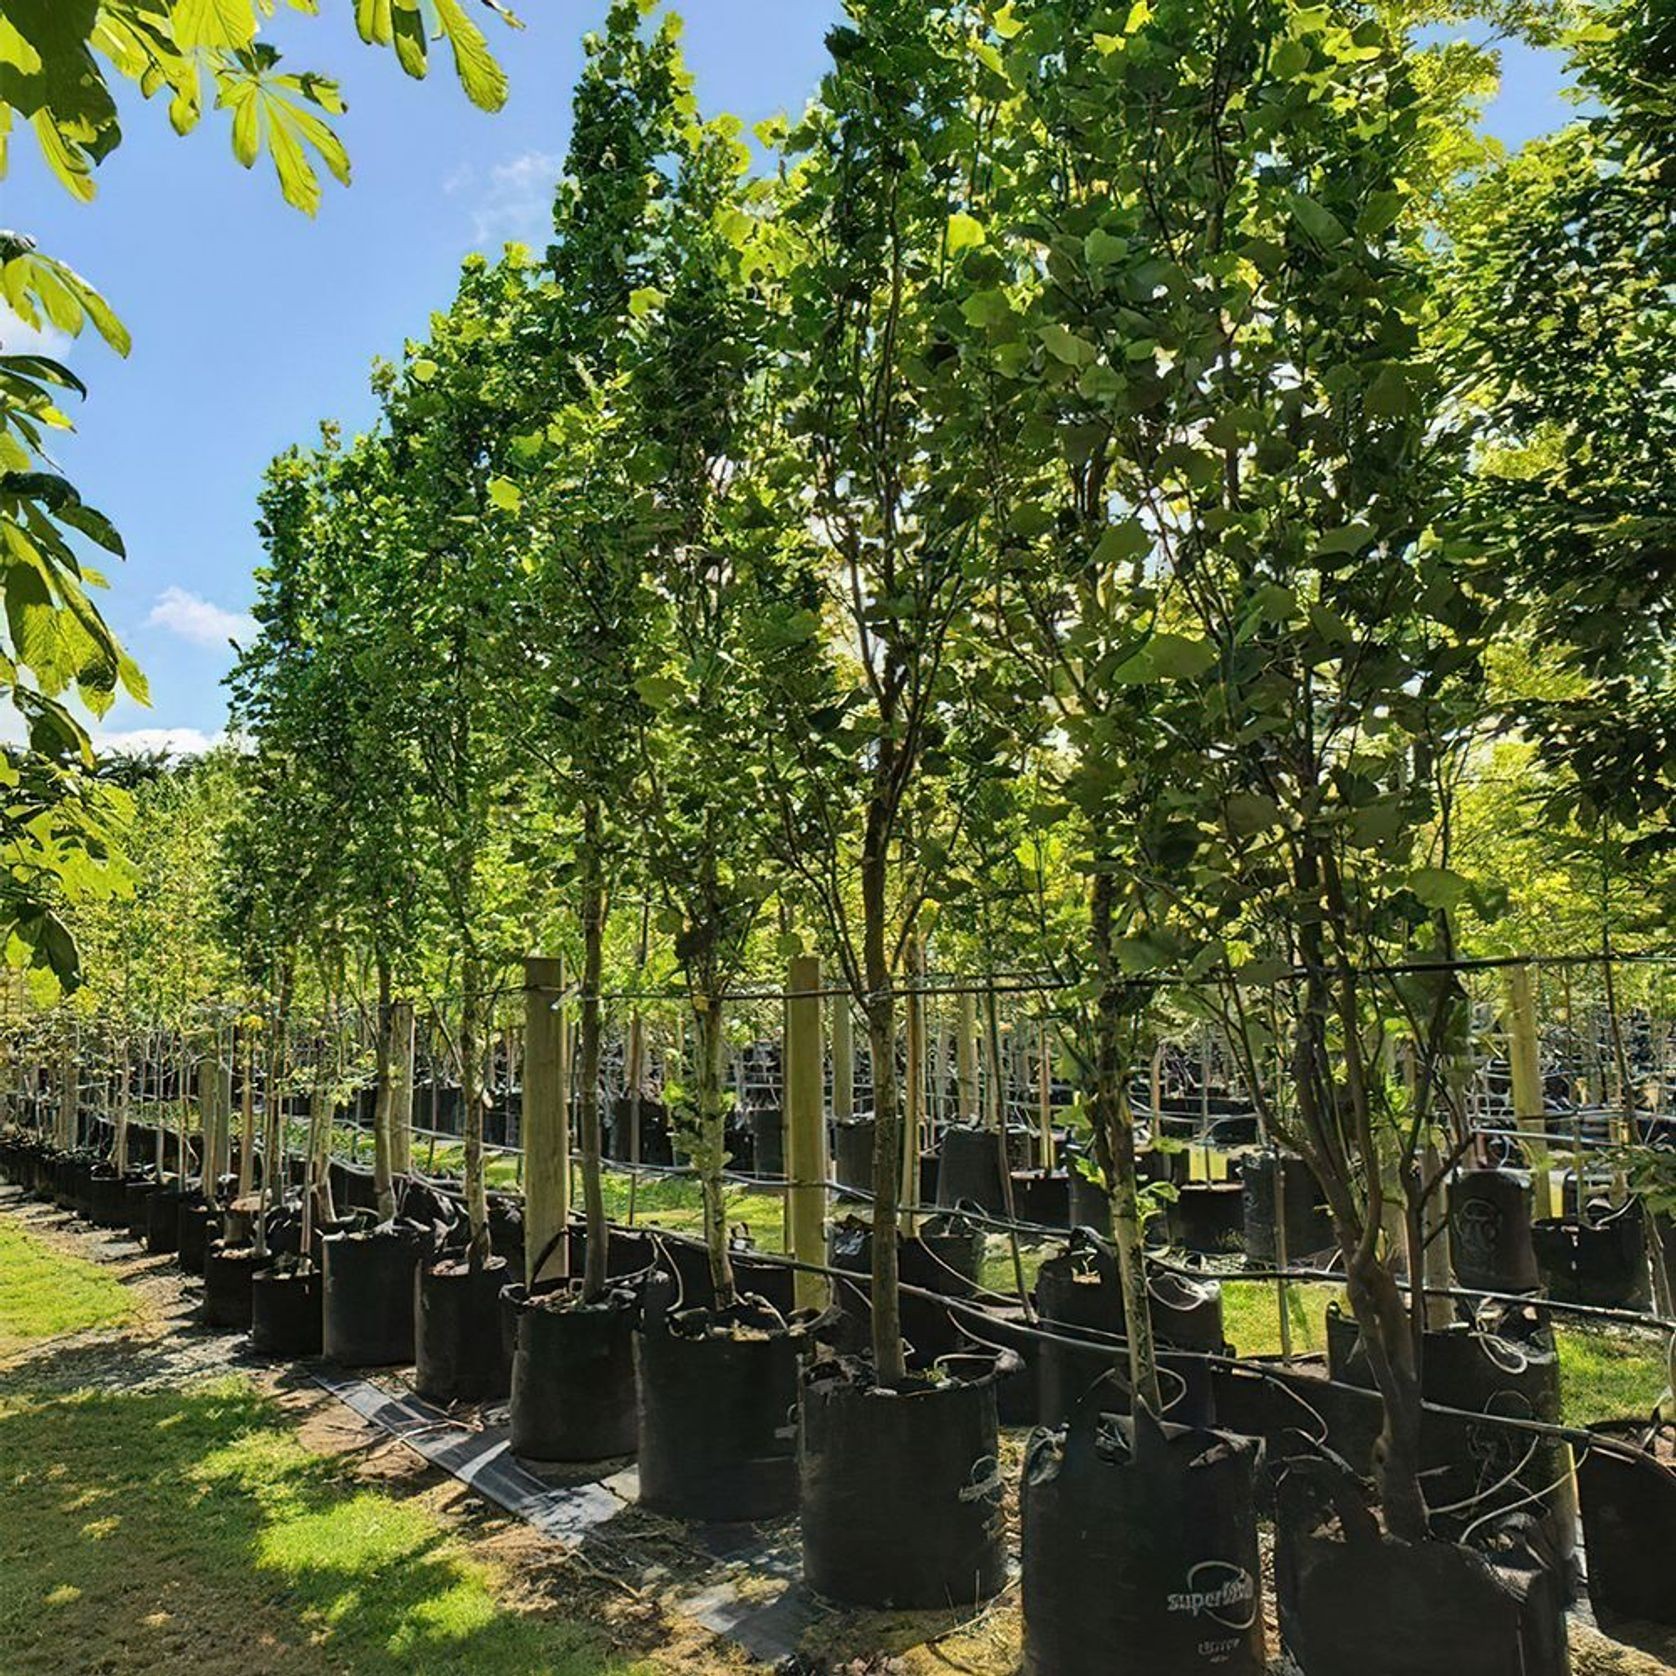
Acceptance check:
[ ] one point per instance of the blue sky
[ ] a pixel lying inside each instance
(251, 323)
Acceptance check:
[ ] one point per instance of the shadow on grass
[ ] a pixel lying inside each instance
(153, 1531)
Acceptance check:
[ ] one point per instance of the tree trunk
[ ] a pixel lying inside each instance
(384, 1102)
(889, 1363)
(710, 1040)
(1114, 1139)
(593, 943)
(471, 1094)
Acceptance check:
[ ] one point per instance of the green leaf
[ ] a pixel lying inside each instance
(1175, 657)
(1439, 887)
(1316, 220)
(505, 494)
(965, 233)
(212, 23)
(1122, 543)
(479, 71)
(1064, 345)
(987, 308)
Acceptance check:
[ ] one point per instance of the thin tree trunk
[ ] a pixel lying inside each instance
(471, 1093)
(384, 1102)
(595, 1266)
(710, 1040)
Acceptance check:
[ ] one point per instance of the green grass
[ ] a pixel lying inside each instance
(192, 1530)
(44, 1293)
(1607, 1374)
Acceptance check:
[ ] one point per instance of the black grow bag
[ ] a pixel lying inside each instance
(285, 1313)
(1490, 1231)
(852, 1153)
(1140, 1550)
(108, 1193)
(195, 1228)
(368, 1296)
(1080, 1297)
(717, 1401)
(1355, 1602)
(1309, 1228)
(459, 1349)
(228, 1272)
(945, 1257)
(1207, 1217)
(969, 1168)
(136, 1206)
(1629, 1521)
(162, 1229)
(1603, 1262)
(901, 1489)
(573, 1393)
(1042, 1198)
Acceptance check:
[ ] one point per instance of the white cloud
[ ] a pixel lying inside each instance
(176, 741)
(513, 203)
(19, 338)
(200, 620)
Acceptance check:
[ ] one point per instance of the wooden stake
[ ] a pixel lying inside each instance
(843, 1060)
(806, 1160)
(546, 1117)
(1524, 1055)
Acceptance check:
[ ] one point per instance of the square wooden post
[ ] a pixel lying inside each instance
(546, 1125)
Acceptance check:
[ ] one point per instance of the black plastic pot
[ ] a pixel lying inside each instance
(573, 1386)
(368, 1296)
(1308, 1226)
(1629, 1522)
(228, 1274)
(1490, 1231)
(162, 1229)
(1207, 1217)
(1140, 1551)
(1603, 1262)
(285, 1315)
(901, 1489)
(1354, 1602)
(717, 1398)
(459, 1349)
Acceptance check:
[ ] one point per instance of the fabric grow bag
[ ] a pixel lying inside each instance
(285, 1313)
(1140, 1550)
(1356, 1602)
(1490, 1231)
(1042, 1198)
(969, 1168)
(852, 1153)
(945, 1256)
(1207, 1217)
(1308, 1226)
(162, 1228)
(459, 1349)
(717, 1396)
(573, 1389)
(107, 1193)
(1602, 1262)
(901, 1488)
(228, 1273)
(367, 1290)
(195, 1228)
(1628, 1491)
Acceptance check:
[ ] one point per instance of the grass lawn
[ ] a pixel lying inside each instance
(193, 1530)
(44, 1293)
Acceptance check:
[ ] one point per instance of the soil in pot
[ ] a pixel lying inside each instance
(901, 1487)
(368, 1295)
(285, 1315)
(717, 1394)
(228, 1273)
(573, 1388)
(459, 1349)
(1140, 1550)
(1356, 1602)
